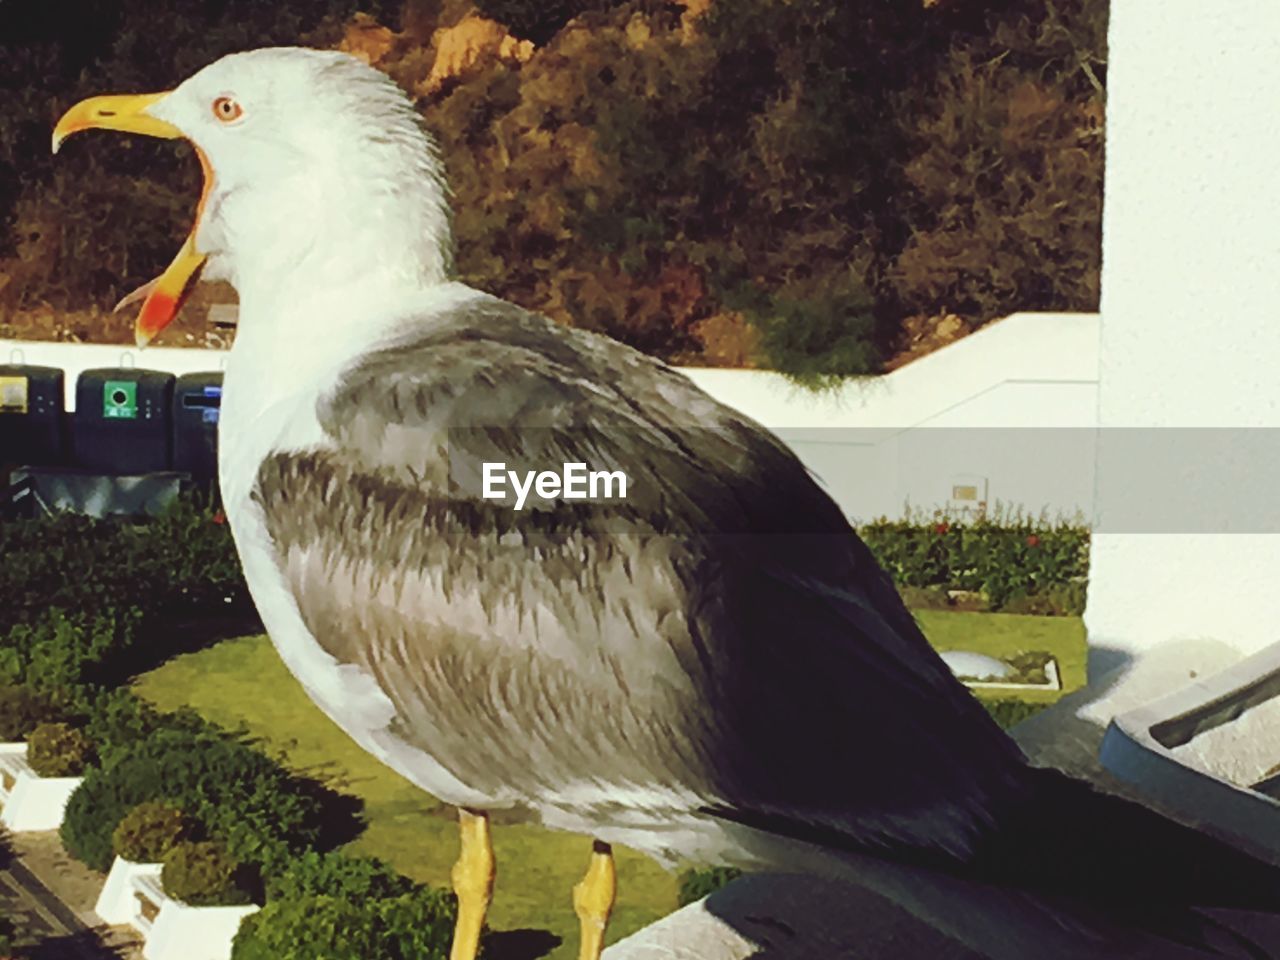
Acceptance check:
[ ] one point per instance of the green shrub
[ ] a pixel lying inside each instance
(58, 750)
(1008, 713)
(65, 652)
(263, 814)
(12, 666)
(22, 710)
(195, 568)
(313, 928)
(417, 925)
(150, 830)
(177, 567)
(1006, 559)
(933, 597)
(698, 883)
(1054, 600)
(117, 721)
(819, 338)
(66, 563)
(315, 874)
(203, 874)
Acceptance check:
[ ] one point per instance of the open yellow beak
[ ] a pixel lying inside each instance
(164, 296)
(125, 113)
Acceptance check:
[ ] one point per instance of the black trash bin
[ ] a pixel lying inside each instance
(123, 422)
(31, 415)
(197, 398)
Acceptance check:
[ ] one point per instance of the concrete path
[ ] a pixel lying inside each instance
(50, 899)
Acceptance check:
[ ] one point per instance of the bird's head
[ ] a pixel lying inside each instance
(316, 167)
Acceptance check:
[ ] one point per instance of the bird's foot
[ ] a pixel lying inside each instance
(593, 900)
(473, 876)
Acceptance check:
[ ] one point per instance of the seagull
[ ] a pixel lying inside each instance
(710, 668)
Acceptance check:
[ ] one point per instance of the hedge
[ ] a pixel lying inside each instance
(316, 874)
(414, 926)
(1009, 561)
(89, 603)
(93, 602)
(265, 815)
(141, 580)
(131, 585)
(117, 719)
(65, 655)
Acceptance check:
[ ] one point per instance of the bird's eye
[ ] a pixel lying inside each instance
(227, 110)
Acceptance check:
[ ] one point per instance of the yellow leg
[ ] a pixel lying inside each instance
(473, 883)
(593, 900)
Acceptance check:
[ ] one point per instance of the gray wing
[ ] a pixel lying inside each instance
(721, 640)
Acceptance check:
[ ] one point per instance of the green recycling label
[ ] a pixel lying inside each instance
(120, 400)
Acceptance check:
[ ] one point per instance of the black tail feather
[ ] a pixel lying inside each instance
(1088, 857)
(1069, 840)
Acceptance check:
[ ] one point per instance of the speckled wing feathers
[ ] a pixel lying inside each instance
(721, 640)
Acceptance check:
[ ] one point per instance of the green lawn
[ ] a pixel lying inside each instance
(243, 683)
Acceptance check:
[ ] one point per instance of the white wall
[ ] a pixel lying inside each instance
(1191, 328)
(1014, 404)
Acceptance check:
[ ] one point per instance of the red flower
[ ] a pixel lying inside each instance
(1033, 541)
(220, 517)
(941, 528)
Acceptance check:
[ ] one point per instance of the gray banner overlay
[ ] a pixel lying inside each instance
(1117, 480)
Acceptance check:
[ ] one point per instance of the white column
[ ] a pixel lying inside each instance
(1190, 330)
